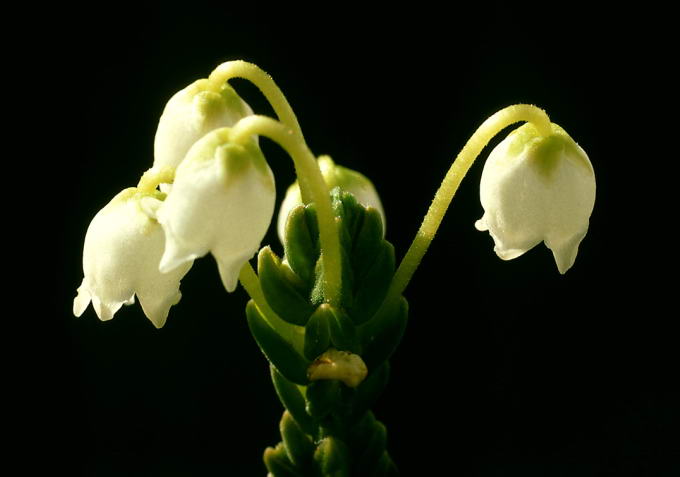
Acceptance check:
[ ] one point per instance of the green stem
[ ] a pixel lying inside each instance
(291, 333)
(266, 85)
(264, 82)
(310, 178)
(488, 129)
(153, 177)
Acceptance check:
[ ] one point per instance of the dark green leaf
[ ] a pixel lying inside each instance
(299, 446)
(293, 400)
(367, 242)
(381, 336)
(372, 287)
(370, 389)
(322, 397)
(301, 248)
(282, 289)
(317, 333)
(343, 332)
(373, 444)
(332, 458)
(279, 352)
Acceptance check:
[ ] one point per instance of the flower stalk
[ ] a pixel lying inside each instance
(308, 169)
(444, 195)
(312, 186)
(264, 82)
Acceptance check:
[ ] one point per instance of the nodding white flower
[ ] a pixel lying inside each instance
(190, 114)
(335, 176)
(222, 201)
(123, 247)
(537, 189)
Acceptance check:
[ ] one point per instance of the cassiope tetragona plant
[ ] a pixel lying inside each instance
(329, 313)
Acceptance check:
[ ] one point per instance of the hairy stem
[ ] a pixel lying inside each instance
(264, 82)
(155, 176)
(316, 188)
(267, 86)
(442, 199)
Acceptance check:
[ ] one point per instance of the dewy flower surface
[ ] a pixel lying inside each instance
(123, 248)
(335, 176)
(190, 114)
(222, 201)
(537, 189)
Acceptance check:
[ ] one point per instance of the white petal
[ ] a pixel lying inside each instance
(565, 253)
(176, 254)
(190, 114)
(150, 206)
(222, 201)
(106, 309)
(537, 189)
(82, 300)
(122, 251)
(481, 224)
(230, 268)
(290, 201)
(157, 306)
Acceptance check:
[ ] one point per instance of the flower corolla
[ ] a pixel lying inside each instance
(534, 189)
(222, 201)
(122, 251)
(192, 113)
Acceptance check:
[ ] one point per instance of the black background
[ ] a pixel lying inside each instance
(507, 368)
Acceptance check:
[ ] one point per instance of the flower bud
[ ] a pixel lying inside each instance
(341, 365)
(535, 189)
(335, 176)
(123, 247)
(222, 201)
(190, 114)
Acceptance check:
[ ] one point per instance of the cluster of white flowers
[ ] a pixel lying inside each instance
(203, 194)
(215, 196)
(209, 193)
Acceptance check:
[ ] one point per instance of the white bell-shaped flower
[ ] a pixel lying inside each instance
(222, 201)
(190, 114)
(123, 247)
(535, 189)
(335, 176)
